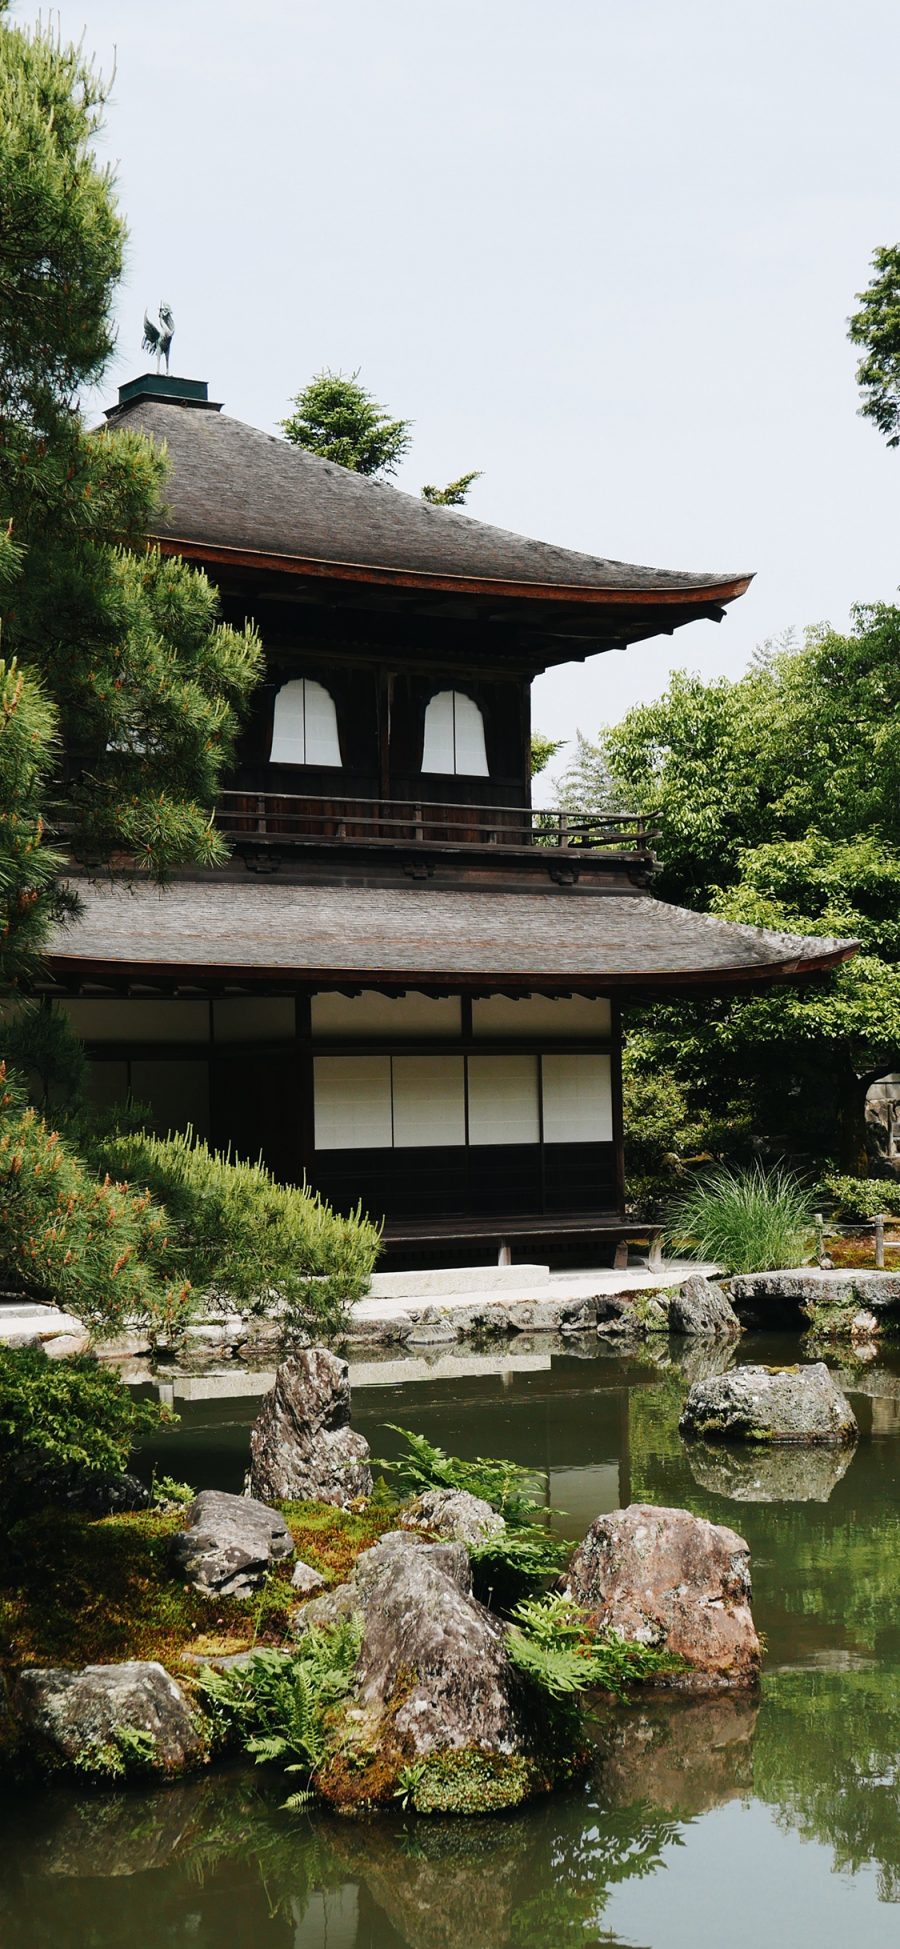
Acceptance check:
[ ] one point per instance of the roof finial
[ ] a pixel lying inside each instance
(158, 338)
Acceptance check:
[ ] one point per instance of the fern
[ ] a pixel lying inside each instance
(552, 1643)
(514, 1492)
(515, 1565)
(279, 1706)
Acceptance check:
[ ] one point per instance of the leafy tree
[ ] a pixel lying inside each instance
(543, 749)
(455, 492)
(876, 328)
(778, 805)
(338, 419)
(335, 417)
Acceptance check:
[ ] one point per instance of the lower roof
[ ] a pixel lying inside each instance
(241, 930)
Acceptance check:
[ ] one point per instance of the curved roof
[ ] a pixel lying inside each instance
(244, 930)
(238, 494)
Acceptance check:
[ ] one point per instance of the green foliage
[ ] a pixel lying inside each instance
(587, 784)
(514, 1492)
(130, 1754)
(543, 750)
(61, 1420)
(280, 1707)
(661, 1132)
(750, 1220)
(466, 1782)
(778, 805)
(876, 329)
(131, 690)
(336, 418)
(171, 1494)
(84, 1240)
(41, 1048)
(28, 868)
(551, 1641)
(455, 492)
(515, 1565)
(237, 1232)
(863, 1197)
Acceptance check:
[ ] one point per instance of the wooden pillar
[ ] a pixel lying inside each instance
(618, 1121)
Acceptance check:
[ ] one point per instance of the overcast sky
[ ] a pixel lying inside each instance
(603, 249)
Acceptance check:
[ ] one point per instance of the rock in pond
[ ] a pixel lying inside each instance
(435, 1684)
(302, 1446)
(665, 1578)
(453, 1513)
(769, 1404)
(228, 1543)
(701, 1308)
(782, 1472)
(80, 1719)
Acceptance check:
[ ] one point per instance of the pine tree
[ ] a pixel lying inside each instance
(147, 687)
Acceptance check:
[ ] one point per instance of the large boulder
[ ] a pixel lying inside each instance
(81, 1719)
(769, 1404)
(665, 1578)
(302, 1446)
(435, 1690)
(229, 1543)
(701, 1308)
(453, 1513)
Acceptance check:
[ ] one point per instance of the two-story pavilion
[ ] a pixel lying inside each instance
(406, 985)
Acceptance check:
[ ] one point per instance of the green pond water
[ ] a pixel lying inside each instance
(771, 1821)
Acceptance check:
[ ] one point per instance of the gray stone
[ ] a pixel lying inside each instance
(108, 1495)
(302, 1446)
(228, 1543)
(792, 1297)
(786, 1472)
(69, 1716)
(453, 1513)
(427, 1638)
(665, 1578)
(701, 1308)
(305, 1579)
(882, 1118)
(769, 1404)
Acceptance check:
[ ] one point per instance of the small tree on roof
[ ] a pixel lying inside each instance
(336, 418)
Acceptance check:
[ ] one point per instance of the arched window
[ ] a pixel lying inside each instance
(305, 728)
(454, 736)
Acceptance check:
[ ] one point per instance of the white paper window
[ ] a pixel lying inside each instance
(503, 1100)
(370, 1014)
(556, 1018)
(429, 1101)
(352, 1102)
(577, 1099)
(454, 736)
(305, 730)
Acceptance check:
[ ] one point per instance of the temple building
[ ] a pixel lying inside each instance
(406, 984)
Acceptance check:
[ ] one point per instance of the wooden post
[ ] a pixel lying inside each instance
(504, 1254)
(879, 1241)
(819, 1223)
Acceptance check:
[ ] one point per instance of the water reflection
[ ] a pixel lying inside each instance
(777, 1474)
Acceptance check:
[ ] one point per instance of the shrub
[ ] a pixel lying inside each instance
(87, 1242)
(238, 1233)
(61, 1420)
(863, 1197)
(280, 1707)
(551, 1641)
(745, 1220)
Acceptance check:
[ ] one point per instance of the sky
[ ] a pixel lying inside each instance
(604, 250)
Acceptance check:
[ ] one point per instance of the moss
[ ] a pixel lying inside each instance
(651, 1311)
(76, 1591)
(473, 1782)
(331, 1539)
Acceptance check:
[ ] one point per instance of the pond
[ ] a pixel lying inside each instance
(775, 1819)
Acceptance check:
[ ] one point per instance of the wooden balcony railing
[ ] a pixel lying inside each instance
(284, 819)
